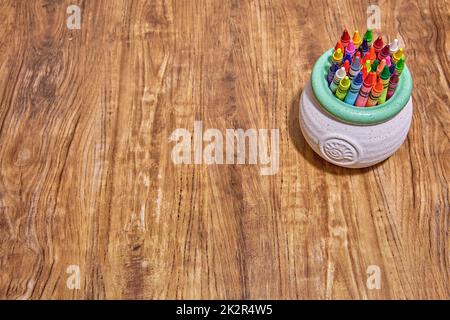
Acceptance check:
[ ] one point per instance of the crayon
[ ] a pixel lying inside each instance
(381, 66)
(372, 54)
(363, 95)
(398, 55)
(339, 45)
(352, 93)
(366, 57)
(354, 69)
(384, 76)
(368, 36)
(350, 49)
(347, 57)
(357, 54)
(333, 68)
(345, 38)
(393, 81)
(393, 47)
(337, 56)
(374, 66)
(342, 90)
(392, 68)
(400, 66)
(388, 61)
(364, 48)
(378, 45)
(366, 69)
(357, 39)
(346, 65)
(375, 94)
(338, 76)
(384, 53)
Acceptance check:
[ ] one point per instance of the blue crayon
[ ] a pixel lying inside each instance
(353, 92)
(333, 68)
(364, 48)
(347, 57)
(392, 68)
(354, 68)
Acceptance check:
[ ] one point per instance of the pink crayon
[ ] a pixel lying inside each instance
(388, 61)
(383, 53)
(350, 48)
(365, 90)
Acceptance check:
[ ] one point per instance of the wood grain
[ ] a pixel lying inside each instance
(86, 176)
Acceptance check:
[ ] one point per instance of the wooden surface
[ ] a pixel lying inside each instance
(87, 178)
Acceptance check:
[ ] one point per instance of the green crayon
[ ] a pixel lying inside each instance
(384, 75)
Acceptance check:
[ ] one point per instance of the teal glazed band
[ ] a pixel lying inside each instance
(352, 114)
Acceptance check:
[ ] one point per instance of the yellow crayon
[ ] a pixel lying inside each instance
(397, 56)
(337, 56)
(342, 90)
(356, 39)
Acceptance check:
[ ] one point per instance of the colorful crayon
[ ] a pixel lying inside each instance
(393, 81)
(342, 90)
(348, 58)
(333, 68)
(375, 94)
(378, 45)
(364, 48)
(350, 49)
(393, 47)
(366, 69)
(388, 61)
(392, 69)
(345, 38)
(357, 54)
(372, 54)
(353, 92)
(368, 36)
(398, 55)
(374, 66)
(381, 66)
(338, 76)
(400, 66)
(357, 39)
(383, 53)
(384, 76)
(337, 56)
(363, 95)
(354, 69)
(339, 46)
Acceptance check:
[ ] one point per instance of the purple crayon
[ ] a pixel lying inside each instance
(364, 48)
(333, 68)
(392, 86)
(383, 53)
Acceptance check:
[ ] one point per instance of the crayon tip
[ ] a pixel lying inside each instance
(385, 74)
(388, 61)
(374, 65)
(368, 81)
(379, 42)
(385, 50)
(339, 45)
(350, 46)
(337, 55)
(397, 55)
(394, 46)
(356, 38)
(346, 65)
(341, 72)
(358, 79)
(364, 45)
(345, 36)
(372, 54)
(368, 35)
(394, 78)
(345, 82)
(379, 86)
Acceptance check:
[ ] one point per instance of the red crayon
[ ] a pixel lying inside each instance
(365, 90)
(346, 66)
(378, 45)
(372, 54)
(339, 45)
(345, 38)
(392, 85)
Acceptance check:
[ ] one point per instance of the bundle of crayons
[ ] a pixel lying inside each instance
(365, 74)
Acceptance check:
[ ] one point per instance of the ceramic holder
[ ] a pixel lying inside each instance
(350, 136)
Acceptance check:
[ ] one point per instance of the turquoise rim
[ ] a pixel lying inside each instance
(352, 114)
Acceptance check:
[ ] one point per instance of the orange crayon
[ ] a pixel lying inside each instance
(375, 94)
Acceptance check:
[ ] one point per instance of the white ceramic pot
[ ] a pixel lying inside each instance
(350, 136)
